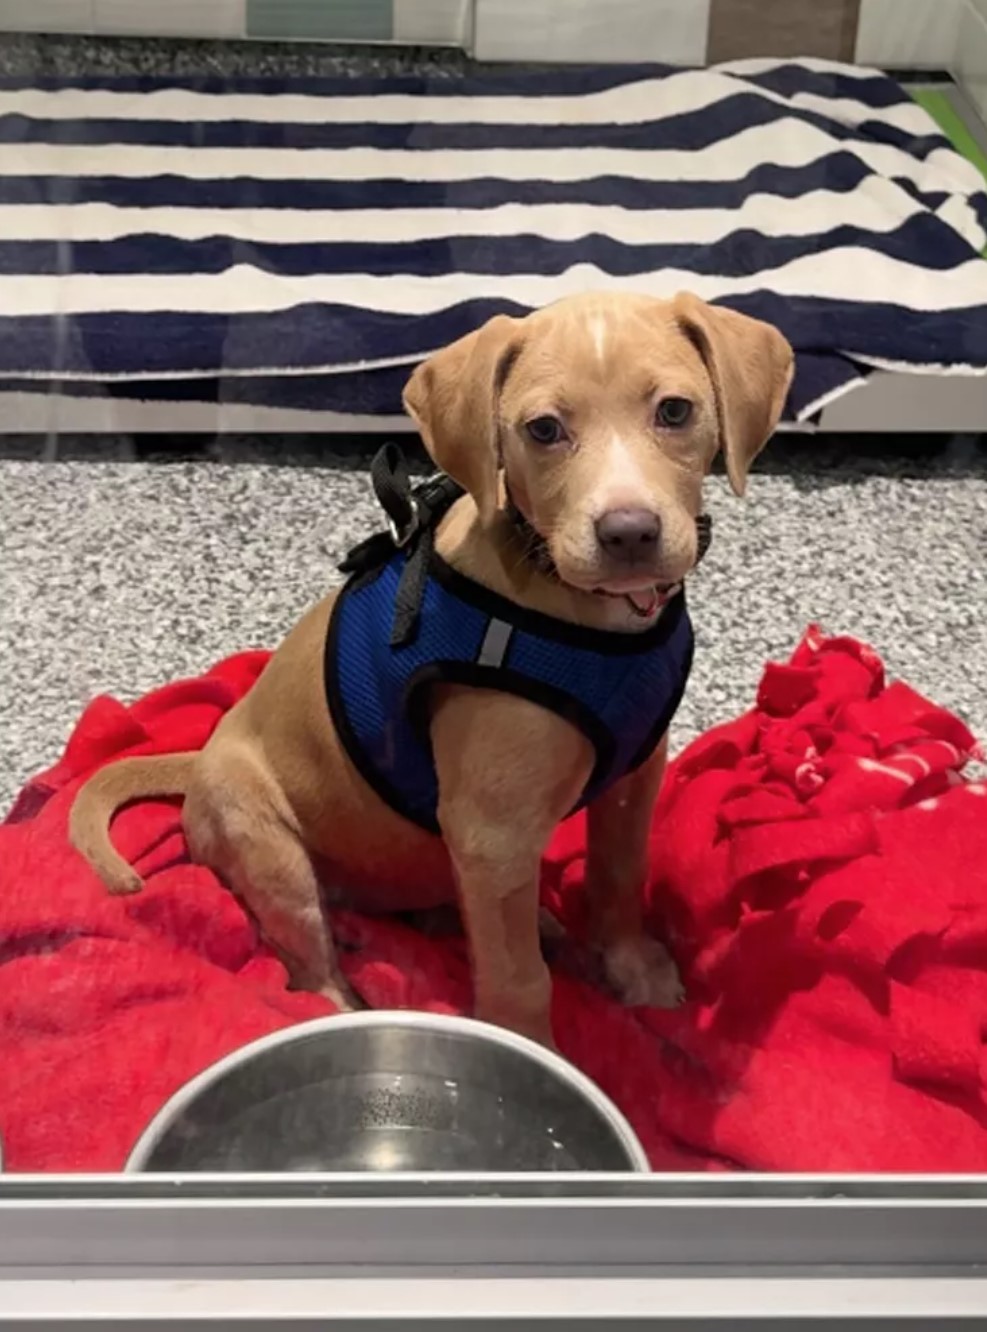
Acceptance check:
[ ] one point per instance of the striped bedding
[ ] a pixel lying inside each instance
(295, 247)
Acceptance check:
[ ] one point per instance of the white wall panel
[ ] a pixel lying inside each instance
(673, 31)
(919, 34)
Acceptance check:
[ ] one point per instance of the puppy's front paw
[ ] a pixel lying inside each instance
(643, 974)
(342, 995)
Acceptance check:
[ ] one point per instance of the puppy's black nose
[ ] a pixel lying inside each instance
(629, 535)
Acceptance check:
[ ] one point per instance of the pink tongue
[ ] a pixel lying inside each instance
(645, 603)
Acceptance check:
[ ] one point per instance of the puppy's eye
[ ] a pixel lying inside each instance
(545, 430)
(674, 412)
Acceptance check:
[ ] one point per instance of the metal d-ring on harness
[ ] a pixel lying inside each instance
(413, 513)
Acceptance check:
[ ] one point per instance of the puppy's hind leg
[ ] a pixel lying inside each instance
(235, 825)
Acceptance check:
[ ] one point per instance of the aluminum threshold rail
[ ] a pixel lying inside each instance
(361, 1303)
(364, 1252)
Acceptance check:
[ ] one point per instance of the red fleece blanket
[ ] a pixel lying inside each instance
(820, 866)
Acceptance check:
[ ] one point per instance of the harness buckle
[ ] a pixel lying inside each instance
(401, 536)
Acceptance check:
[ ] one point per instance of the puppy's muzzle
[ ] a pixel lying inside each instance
(629, 537)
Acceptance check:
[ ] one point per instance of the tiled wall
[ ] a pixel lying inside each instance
(674, 31)
(739, 28)
(342, 20)
(893, 33)
(426, 21)
(909, 32)
(971, 64)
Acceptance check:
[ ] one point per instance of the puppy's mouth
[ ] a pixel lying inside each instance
(644, 602)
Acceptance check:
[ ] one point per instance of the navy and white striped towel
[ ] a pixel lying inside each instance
(300, 245)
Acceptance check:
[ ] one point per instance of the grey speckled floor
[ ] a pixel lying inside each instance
(117, 575)
(29, 54)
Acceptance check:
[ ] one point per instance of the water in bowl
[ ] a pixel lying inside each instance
(382, 1122)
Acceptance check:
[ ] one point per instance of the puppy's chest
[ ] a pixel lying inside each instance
(382, 662)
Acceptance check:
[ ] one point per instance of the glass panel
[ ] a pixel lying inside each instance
(496, 318)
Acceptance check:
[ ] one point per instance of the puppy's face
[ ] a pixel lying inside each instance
(604, 413)
(607, 425)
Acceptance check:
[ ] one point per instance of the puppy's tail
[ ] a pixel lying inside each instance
(113, 786)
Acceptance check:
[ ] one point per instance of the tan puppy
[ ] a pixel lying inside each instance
(600, 416)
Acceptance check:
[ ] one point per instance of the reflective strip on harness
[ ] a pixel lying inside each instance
(495, 643)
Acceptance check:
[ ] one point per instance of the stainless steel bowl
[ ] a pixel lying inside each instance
(389, 1091)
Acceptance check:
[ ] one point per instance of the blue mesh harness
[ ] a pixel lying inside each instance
(406, 620)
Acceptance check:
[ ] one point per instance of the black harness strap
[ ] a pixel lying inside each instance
(412, 514)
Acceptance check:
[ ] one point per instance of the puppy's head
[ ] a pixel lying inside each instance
(605, 413)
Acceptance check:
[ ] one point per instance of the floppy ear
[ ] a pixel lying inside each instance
(751, 366)
(453, 400)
